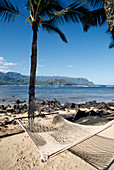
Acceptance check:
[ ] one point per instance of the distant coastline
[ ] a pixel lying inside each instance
(13, 78)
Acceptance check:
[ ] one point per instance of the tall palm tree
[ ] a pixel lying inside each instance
(47, 14)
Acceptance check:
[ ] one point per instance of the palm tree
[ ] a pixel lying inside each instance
(48, 14)
(108, 6)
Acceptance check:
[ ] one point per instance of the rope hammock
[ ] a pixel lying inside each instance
(53, 134)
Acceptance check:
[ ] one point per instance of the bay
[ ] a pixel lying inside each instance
(67, 93)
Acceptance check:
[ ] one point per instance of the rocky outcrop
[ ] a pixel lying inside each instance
(92, 108)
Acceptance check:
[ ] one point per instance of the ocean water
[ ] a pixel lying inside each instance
(9, 94)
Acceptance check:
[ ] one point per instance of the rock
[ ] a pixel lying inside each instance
(104, 112)
(18, 101)
(7, 122)
(10, 110)
(91, 104)
(16, 107)
(1, 124)
(93, 113)
(102, 105)
(25, 106)
(88, 105)
(2, 107)
(8, 106)
(43, 103)
(71, 105)
(2, 111)
(110, 104)
(66, 105)
(76, 107)
(57, 103)
(62, 108)
(80, 114)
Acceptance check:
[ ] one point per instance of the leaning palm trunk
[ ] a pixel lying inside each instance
(33, 71)
(109, 10)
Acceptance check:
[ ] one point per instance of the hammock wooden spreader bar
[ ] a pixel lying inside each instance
(109, 124)
(39, 115)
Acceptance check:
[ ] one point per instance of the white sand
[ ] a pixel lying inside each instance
(19, 152)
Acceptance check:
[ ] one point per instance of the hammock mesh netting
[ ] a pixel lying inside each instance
(54, 134)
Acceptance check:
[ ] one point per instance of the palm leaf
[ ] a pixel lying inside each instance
(8, 12)
(46, 25)
(97, 17)
(111, 45)
(72, 13)
(43, 7)
(79, 13)
(95, 3)
(50, 6)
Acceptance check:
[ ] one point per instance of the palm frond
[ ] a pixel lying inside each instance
(8, 12)
(43, 7)
(50, 6)
(96, 17)
(95, 3)
(111, 45)
(49, 28)
(80, 14)
(32, 6)
(73, 13)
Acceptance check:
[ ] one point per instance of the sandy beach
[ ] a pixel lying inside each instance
(17, 151)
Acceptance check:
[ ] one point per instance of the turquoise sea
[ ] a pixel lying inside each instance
(67, 93)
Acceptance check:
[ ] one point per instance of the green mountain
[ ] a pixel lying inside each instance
(12, 78)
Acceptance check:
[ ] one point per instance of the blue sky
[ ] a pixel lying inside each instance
(86, 54)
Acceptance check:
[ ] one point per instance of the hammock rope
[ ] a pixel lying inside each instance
(53, 135)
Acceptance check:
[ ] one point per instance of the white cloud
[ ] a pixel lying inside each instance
(3, 67)
(41, 65)
(1, 59)
(9, 64)
(3, 63)
(5, 71)
(70, 66)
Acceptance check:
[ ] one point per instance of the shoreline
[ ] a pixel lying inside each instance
(84, 109)
(9, 94)
(13, 102)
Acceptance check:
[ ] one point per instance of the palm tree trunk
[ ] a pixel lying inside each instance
(109, 10)
(33, 71)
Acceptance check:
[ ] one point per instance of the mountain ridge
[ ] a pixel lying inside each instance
(13, 78)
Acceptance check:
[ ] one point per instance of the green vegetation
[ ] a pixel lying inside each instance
(12, 78)
(54, 82)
